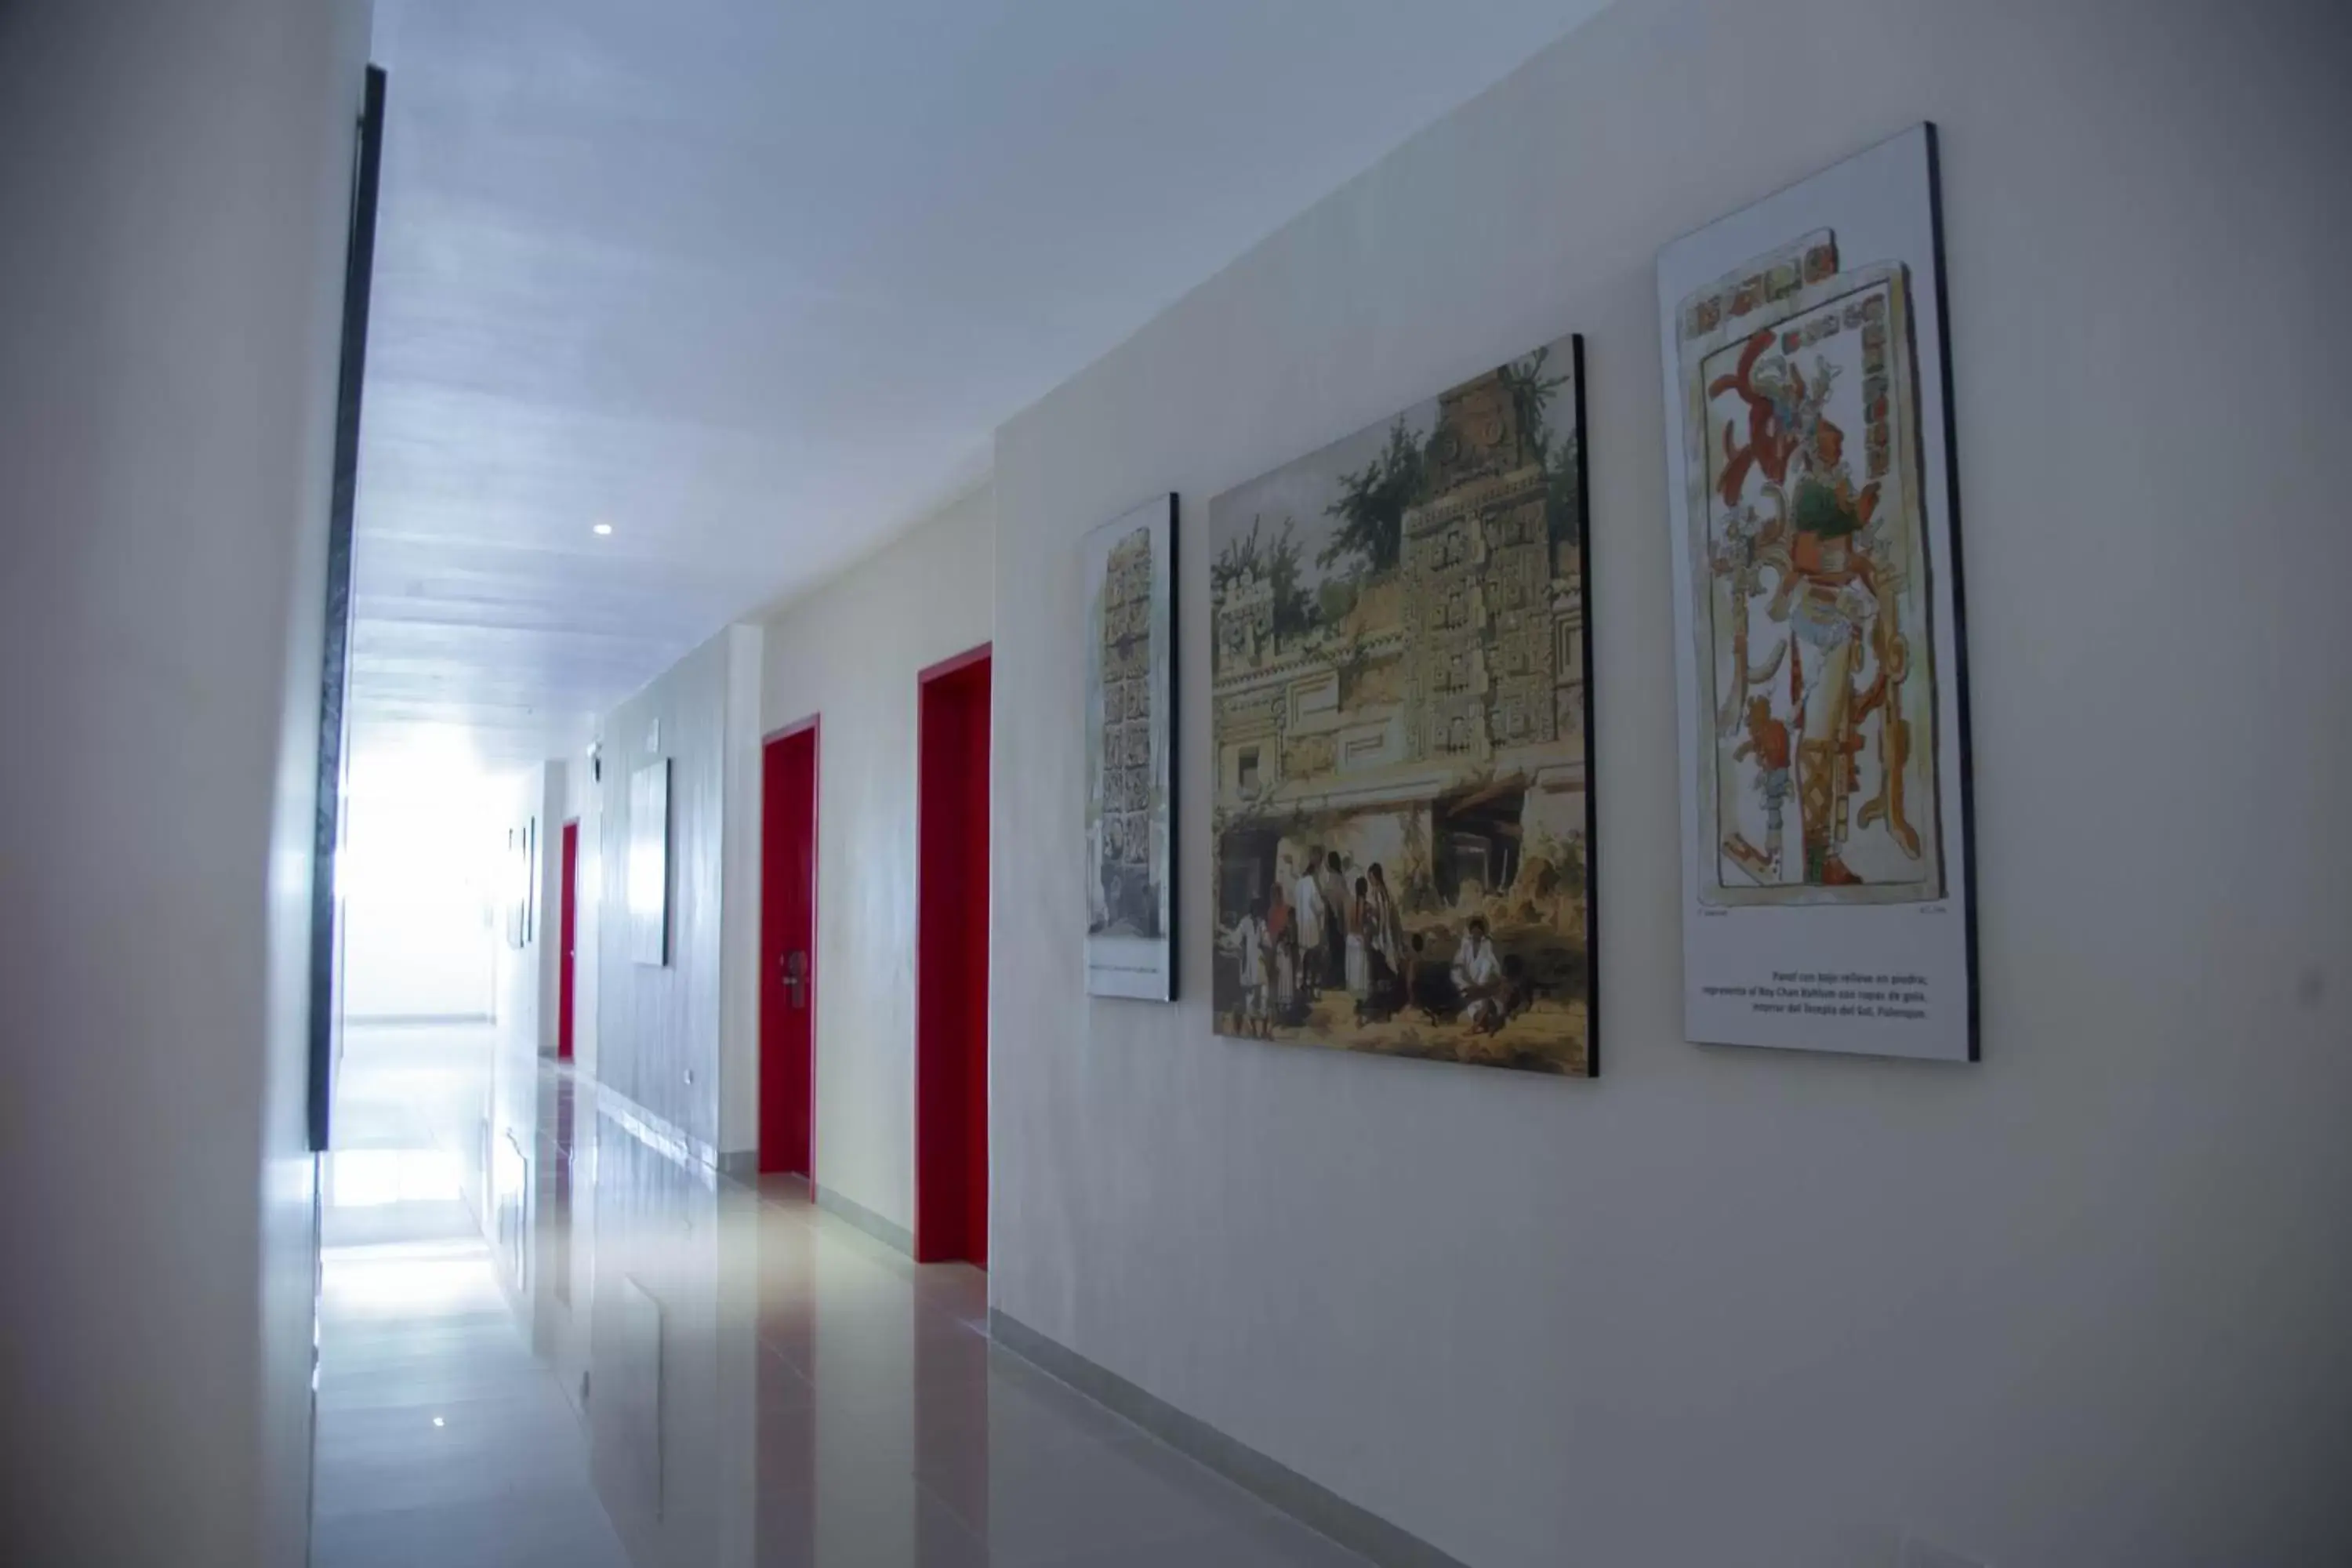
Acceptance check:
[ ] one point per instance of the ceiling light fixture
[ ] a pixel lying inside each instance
(601, 529)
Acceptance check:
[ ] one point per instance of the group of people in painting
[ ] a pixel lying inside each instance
(1317, 933)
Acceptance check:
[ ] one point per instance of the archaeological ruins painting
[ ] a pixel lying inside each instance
(1816, 602)
(1127, 568)
(1402, 823)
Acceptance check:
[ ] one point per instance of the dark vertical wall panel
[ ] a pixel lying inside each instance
(334, 663)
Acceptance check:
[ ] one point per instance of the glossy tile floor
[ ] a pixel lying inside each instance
(546, 1338)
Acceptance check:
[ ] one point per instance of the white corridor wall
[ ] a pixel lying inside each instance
(849, 653)
(668, 1035)
(2081, 1303)
(583, 803)
(176, 181)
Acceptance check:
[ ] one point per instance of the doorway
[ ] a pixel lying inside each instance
(951, 916)
(788, 949)
(567, 928)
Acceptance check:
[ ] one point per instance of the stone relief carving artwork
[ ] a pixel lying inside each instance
(1402, 822)
(1130, 581)
(1818, 671)
(1817, 606)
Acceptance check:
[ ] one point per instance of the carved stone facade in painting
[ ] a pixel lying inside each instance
(1478, 573)
(1472, 650)
(1128, 894)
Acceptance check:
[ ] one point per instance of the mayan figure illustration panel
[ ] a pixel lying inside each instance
(1128, 572)
(1402, 732)
(1817, 662)
(1818, 671)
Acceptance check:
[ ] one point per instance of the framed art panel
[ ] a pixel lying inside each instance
(328, 825)
(513, 872)
(1820, 686)
(1401, 726)
(1129, 570)
(648, 866)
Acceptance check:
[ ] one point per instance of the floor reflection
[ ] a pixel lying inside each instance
(442, 1440)
(548, 1336)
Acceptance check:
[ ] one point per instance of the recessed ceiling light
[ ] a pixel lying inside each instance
(601, 528)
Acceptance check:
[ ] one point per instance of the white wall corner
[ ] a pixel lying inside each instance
(739, 951)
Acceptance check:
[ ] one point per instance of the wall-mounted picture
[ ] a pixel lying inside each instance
(1128, 570)
(1817, 608)
(648, 866)
(1401, 730)
(514, 889)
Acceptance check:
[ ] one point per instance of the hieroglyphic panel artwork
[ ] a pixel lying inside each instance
(1819, 668)
(1129, 568)
(1819, 676)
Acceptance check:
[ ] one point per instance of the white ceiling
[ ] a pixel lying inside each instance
(754, 281)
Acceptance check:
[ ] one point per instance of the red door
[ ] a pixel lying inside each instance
(788, 949)
(567, 925)
(951, 962)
